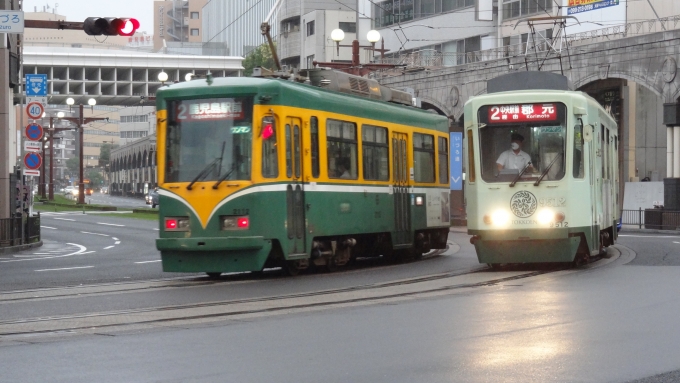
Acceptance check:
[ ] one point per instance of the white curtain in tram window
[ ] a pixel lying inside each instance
(546, 159)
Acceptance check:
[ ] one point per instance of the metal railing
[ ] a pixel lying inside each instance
(652, 219)
(13, 234)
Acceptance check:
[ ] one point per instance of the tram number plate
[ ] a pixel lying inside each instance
(240, 212)
(559, 224)
(552, 202)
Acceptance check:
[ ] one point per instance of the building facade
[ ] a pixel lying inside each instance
(178, 24)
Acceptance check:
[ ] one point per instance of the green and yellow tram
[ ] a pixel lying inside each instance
(542, 171)
(265, 172)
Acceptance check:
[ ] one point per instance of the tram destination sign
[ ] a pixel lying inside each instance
(500, 114)
(215, 109)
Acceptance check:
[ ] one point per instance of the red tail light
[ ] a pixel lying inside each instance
(243, 222)
(170, 223)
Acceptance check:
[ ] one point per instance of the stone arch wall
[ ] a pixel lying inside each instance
(134, 171)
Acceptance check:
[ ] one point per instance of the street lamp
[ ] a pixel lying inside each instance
(163, 77)
(356, 68)
(81, 121)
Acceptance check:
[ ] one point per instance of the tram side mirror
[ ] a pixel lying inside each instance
(588, 133)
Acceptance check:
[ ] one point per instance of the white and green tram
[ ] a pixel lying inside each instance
(542, 171)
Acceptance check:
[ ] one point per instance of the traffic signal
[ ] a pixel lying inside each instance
(110, 26)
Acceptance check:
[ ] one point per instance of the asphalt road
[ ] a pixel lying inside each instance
(614, 321)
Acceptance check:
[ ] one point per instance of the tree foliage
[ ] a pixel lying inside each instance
(105, 154)
(73, 165)
(260, 56)
(95, 177)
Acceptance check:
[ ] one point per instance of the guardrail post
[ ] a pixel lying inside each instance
(640, 218)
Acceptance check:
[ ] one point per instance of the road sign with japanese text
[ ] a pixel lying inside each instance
(36, 85)
(456, 157)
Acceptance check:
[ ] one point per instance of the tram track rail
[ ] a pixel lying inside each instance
(231, 309)
(113, 321)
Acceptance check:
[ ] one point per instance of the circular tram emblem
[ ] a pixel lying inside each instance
(523, 204)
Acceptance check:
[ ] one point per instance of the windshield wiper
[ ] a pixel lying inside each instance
(528, 165)
(224, 177)
(545, 172)
(208, 168)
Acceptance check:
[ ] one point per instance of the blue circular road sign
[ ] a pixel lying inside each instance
(34, 132)
(32, 160)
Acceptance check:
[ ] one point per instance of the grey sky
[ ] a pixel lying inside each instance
(79, 10)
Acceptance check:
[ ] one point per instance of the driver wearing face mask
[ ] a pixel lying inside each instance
(514, 158)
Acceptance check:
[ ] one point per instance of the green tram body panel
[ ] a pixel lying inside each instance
(327, 214)
(287, 93)
(529, 245)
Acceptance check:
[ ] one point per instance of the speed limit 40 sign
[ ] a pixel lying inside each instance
(35, 110)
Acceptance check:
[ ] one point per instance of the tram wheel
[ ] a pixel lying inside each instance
(212, 275)
(291, 268)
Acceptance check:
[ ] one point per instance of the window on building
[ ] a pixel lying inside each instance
(194, 32)
(423, 157)
(341, 139)
(517, 8)
(375, 153)
(348, 27)
(310, 28)
(310, 61)
(450, 5)
(195, 15)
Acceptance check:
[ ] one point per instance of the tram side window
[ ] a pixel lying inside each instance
(443, 161)
(314, 130)
(289, 154)
(423, 157)
(375, 153)
(578, 151)
(270, 160)
(341, 138)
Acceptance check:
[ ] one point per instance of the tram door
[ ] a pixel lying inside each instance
(402, 215)
(295, 199)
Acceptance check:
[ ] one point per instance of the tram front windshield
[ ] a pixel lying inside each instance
(526, 139)
(209, 139)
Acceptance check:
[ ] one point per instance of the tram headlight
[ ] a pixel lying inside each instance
(500, 218)
(545, 216)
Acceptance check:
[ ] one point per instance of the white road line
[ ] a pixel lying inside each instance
(64, 219)
(649, 236)
(156, 229)
(88, 252)
(675, 242)
(117, 243)
(68, 268)
(139, 263)
(109, 224)
(114, 238)
(47, 227)
(81, 251)
(108, 247)
(103, 235)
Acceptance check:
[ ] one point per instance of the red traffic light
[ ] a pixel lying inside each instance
(110, 26)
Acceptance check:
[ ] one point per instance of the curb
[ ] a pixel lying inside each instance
(14, 249)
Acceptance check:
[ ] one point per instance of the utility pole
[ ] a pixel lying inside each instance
(81, 121)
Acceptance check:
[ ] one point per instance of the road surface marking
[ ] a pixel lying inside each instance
(47, 227)
(108, 247)
(81, 251)
(65, 219)
(114, 238)
(117, 243)
(156, 229)
(108, 224)
(649, 236)
(68, 268)
(139, 263)
(87, 232)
